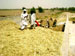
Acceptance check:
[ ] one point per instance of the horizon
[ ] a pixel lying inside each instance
(35, 8)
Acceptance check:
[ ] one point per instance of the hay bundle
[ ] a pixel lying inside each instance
(44, 22)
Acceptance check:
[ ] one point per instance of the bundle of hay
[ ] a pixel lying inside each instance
(44, 22)
(38, 42)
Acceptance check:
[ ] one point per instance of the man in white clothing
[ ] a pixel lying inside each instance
(24, 16)
(33, 19)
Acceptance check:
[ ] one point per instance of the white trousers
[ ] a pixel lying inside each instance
(33, 21)
(23, 24)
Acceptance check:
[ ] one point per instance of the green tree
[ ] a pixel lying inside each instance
(40, 9)
(72, 9)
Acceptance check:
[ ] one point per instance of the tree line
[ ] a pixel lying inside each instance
(64, 9)
(41, 10)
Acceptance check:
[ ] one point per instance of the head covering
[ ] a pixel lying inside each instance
(24, 10)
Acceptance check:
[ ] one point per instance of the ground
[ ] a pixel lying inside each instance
(72, 38)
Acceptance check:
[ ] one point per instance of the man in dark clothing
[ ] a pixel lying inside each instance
(55, 22)
(63, 28)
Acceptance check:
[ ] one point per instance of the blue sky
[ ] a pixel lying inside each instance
(15, 4)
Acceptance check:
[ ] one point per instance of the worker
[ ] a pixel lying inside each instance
(24, 16)
(33, 19)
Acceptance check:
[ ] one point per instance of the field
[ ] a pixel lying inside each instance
(46, 14)
(36, 42)
(5, 13)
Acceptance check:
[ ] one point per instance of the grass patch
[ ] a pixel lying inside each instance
(56, 15)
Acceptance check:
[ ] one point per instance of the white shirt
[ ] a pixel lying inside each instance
(24, 19)
(23, 16)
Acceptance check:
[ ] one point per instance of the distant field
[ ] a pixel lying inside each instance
(5, 13)
(45, 15)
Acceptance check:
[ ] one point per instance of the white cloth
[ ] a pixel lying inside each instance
(23, 20)
(61, 23)
(22, 27)
(33, 18)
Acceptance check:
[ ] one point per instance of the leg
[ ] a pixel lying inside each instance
(31, 27)
(25, 26)
(34, 26)
(22, 27)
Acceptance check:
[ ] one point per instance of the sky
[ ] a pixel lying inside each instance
(18, 4)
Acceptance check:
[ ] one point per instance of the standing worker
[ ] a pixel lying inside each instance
(24, 16)
(33, 19)
(63, 28)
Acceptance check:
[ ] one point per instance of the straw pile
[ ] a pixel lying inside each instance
(35, 42)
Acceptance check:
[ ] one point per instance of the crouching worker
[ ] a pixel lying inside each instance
(33, 19)
(48, 23)
(24, 16)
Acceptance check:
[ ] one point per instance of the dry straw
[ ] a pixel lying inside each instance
(35, 42)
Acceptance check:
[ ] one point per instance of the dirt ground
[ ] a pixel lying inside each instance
(72, 38)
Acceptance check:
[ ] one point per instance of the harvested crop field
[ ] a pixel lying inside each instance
(35, 42)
